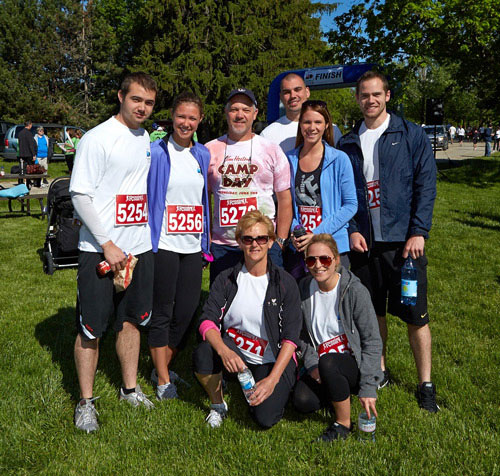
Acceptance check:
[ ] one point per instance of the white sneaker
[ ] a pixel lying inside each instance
(137, 398)
(218, 411)
(86, 415)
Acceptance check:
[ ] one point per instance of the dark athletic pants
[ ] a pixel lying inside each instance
(176, 294)
(207, 362)
(339, 379)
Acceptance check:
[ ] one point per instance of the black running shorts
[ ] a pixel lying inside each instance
(97, 300)
(380, 271)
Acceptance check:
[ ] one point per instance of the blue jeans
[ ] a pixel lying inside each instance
(228, 256)
(487, 149)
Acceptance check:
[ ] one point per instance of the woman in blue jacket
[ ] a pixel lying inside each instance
(179, 221)
(324, 193)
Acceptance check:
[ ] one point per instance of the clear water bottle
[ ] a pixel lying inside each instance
(247, 383)
(409, 283)
(366, 427)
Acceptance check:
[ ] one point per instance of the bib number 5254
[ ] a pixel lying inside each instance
(131, 210)
(230, 211)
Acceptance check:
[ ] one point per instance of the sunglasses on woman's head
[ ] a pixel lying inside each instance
(260, 240)
(323, 260)
(315, 102)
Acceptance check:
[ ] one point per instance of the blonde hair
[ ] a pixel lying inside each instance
(253, 218)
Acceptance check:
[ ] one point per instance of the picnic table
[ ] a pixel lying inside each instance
(39, 195)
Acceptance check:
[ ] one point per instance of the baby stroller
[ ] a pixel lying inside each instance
(61, 241)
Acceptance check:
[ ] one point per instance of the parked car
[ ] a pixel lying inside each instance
(441, 136)
(4, 127)
(57, 133)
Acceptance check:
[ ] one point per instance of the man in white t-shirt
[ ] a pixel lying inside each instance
(293, 93)
(395, 176)
(108, 189)
(453, 131)
(245, 171)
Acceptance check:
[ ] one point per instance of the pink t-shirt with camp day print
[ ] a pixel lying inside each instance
(242, 177)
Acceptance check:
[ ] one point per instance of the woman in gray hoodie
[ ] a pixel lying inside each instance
(340, 343)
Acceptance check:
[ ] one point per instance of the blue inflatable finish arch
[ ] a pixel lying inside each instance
(322, 77)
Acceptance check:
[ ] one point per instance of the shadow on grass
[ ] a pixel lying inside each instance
(478, 173)
(57, 333)
(478, 220)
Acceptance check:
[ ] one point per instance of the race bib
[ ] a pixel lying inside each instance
(248, 342)
(230, 211)
(373, 194)
(337, 345)
(184, 219)
(310, 217)
(131, 210)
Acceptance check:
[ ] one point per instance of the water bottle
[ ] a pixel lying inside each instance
(409, 283)
(366, 427)
(247, 383)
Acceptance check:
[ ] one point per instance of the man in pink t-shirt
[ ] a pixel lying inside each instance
(245, 171)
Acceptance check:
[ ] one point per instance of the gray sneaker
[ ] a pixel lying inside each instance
(86, 415)
(174, 377)
(166, 392)
(137, 398)
(218, 411)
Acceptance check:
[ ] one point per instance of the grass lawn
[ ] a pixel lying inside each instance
(38, 384)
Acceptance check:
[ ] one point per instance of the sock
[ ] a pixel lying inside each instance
(128, 391)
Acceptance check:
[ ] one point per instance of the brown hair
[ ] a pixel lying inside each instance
(253, 218)
(143, 79)
(187, 96)
(372, 74)
(325, 239)
(322, 108)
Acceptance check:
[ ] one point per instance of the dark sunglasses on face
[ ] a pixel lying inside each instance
(260, 240)
(325, 261)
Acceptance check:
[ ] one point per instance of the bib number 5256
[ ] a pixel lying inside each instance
(185, 219)
(230, 211)
(131, 210)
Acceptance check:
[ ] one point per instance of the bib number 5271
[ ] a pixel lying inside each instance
(230, 211)
(131, 210)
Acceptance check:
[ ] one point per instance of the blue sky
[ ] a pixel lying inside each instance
(343, 6)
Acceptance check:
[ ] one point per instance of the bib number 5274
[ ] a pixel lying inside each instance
(131, 210)
(230, 211)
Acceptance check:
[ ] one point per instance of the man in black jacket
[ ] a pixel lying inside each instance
(26, 146)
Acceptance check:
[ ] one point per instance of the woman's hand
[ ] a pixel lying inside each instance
(302, 242)
(263, 389)
(231, 360)
(315, 374)
(368, 403)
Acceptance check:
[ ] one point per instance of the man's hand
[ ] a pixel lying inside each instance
(231, 360)
(302, 242)
(357, 242)
(414, 246)
(368, 403)
(114, 256)
(263, 389)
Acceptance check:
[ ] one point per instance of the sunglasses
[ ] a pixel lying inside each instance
(315, 102)
(260, 240)
(325, 261)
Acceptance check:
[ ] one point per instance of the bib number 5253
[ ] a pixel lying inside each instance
(230, 211)
(131, 210)
(185, 219)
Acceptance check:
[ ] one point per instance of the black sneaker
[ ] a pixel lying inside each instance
(386, 380)
(335, 432)
(426, 396)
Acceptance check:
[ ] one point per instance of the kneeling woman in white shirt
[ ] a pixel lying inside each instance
(179, 221)
(340, 339)
(251, 319)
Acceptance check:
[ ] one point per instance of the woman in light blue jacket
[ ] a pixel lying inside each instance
(323, 189)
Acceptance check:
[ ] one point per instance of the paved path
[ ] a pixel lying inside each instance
(457, 152)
